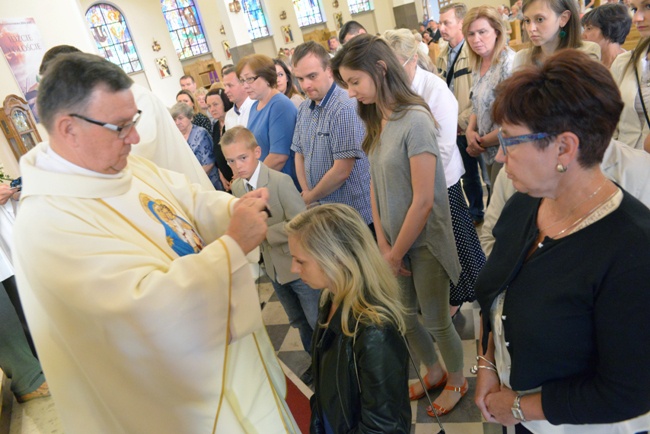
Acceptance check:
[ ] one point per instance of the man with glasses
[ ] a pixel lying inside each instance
(241, 102)
(160, 140)
(135, 281)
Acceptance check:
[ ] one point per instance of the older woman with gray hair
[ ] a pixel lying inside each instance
(199, 140)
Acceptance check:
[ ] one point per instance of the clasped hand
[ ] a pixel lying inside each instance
(396, 264)
(474, 147)
(493, 399)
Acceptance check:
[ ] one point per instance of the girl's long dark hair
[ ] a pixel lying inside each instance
(372, 55)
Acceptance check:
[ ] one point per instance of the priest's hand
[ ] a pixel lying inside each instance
(248, 224)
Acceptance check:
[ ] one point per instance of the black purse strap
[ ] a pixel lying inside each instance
(638, 85)
(417, 371)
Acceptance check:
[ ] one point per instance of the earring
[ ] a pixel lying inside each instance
(560, 168)
(562, 33)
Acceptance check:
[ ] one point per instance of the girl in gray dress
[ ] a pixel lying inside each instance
(410, 205)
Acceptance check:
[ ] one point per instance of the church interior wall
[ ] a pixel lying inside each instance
(65, 24)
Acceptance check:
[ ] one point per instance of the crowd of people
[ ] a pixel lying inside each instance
(357, 170)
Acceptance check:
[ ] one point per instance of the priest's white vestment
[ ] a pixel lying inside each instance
(145, 315)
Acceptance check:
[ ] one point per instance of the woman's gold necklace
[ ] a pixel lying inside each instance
(580, 219)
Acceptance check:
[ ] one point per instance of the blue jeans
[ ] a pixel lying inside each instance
(471, 181)
(300, 302)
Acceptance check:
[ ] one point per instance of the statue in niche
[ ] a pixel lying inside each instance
(286, 32)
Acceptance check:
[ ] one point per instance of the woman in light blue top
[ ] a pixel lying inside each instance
(272, 117)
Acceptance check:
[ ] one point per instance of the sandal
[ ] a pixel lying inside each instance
(414, 397)
(43, 391)
(440, 411)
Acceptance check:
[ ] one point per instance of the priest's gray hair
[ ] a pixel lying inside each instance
(69, 83)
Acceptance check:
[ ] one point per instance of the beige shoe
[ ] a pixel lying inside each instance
(43, 391)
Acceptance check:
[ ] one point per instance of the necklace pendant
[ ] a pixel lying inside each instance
(540, 245)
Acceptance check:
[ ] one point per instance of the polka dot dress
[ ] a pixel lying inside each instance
(470, 254)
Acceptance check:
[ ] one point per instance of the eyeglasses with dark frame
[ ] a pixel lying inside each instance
(249, 80)
(516, 140)
(122, 131)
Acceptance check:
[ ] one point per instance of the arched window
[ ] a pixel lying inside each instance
(308, 12)
(112, 36)
(256, 20)
(185, 28)
(357, 6)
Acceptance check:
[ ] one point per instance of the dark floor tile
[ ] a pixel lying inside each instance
(277, 333)
(465, 410)
(297, 361)
(492, 428)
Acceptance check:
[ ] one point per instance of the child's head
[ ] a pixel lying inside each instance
(242, 153)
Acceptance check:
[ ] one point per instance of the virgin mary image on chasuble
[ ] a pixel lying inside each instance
(181, 235)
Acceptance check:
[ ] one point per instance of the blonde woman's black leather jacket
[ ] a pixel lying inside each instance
(361, 384)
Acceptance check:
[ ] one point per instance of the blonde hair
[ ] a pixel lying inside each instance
(200, 91)
(404, 43)
(239, 134)
(492, 16)
(363, 284)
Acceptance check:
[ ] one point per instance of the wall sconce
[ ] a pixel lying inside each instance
(335, 4)
(283, 15)
(234, 6)
(222, 30)
(155, 46)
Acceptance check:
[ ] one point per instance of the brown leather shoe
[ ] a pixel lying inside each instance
(43, 391)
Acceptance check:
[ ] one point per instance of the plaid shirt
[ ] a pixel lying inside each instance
(330, 131)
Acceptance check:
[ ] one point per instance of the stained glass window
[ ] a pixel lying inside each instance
(308, 12)
(256, 20)
(357, 6)
(112, 36)
(185, 28)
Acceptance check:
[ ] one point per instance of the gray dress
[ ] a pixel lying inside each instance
(406, 135)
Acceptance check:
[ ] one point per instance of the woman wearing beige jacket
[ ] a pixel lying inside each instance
(632, 74)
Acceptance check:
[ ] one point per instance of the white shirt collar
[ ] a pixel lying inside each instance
(49, 160)
(253, 180)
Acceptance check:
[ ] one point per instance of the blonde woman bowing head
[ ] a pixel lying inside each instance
(359, 359)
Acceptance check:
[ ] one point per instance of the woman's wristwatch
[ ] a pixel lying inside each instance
(517, 412)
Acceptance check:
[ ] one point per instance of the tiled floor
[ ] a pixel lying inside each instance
(39, 416)
(35, 417)
(464, 419)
